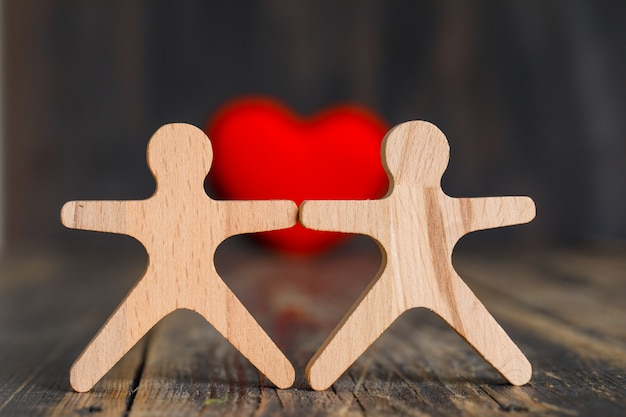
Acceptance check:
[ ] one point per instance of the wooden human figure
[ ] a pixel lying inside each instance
(180, 227)
(416, 226)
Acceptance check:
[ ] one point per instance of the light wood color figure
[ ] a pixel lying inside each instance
(417, 226)
(180, 227)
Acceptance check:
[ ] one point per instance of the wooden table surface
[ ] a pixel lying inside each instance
(565, 308)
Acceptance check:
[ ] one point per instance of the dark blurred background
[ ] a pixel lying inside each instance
(531, 94)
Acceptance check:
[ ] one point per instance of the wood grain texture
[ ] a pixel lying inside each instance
(180, 227)
(564, 307)
(35, 355)
(416, 226)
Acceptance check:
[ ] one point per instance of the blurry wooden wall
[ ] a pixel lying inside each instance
(531, 94)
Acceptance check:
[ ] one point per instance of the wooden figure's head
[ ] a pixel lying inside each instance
(416, 152)
(179, 152)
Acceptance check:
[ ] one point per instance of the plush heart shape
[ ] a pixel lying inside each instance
(263, 151)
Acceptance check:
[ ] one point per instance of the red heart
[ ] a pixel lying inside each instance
(263, 151)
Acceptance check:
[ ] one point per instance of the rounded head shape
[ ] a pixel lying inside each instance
(179, 151)
(416, 152)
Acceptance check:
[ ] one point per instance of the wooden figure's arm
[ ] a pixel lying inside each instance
(100, 216)
(347, 216)
(491, 212)
(258, 215)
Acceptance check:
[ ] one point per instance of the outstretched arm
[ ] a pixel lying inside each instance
(347, 216)
(491, 212)
(100, 216)
(258, 216)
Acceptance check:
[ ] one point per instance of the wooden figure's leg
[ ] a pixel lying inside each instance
(468, 316)
(137, 314)
(368, 318)
(229, 317)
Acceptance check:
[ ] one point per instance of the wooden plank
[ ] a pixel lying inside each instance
(187, 356)
(112, 396)
(584, 292)
(50, 304)
(419, 366)
(573, 341)
(408, 371)
(190, 370)
(554, 362)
